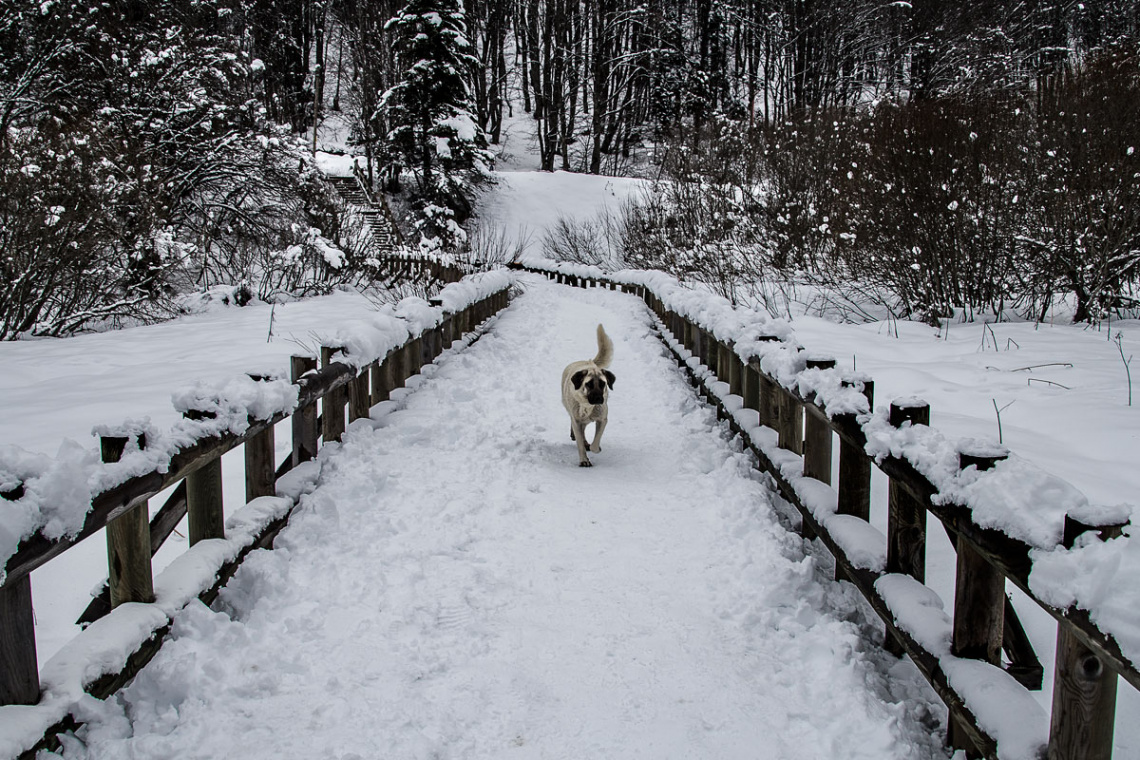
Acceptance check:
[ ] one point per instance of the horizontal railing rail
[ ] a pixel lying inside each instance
(984, 624)
(195, 472)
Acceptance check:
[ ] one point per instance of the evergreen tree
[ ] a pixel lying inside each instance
(432, 131)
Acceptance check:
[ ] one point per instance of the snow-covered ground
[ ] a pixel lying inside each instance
(458, 587)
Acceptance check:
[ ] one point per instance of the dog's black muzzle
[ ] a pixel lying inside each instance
(596, 398)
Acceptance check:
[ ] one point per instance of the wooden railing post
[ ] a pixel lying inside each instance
(979, 602)
(817, 435)
(359, 396)
(1084, 702)
(1084, 690)
(855, 472)
(752, 387)
(382, 380)
(304, 419)
(906, 516)
(19, 668)
(719, 360)
(260, 467)
(790, 425)
(414, 357)
(128, 541)
(204, 511)
(332, 405)
(735, 374)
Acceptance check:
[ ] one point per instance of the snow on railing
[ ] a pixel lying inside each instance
(50, 504)
(1007, 519)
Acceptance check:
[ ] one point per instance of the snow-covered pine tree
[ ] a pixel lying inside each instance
(432, 131)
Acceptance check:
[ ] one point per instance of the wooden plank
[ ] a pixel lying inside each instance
(790, 422)
(752, 389)
(736, 375)
(979, 607)
(205, 515)
(305, 417)
(359, 397)
(382, 383)
(1084, 703)
(260, 473)
(162, 524)
(817, 434)
(130, 577)
(332, 406)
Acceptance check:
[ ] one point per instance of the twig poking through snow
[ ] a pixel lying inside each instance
(1119, 340)
(1031, 380)
(998, 412)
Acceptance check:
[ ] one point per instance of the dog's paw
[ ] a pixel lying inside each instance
(595, 447)
(585, 463)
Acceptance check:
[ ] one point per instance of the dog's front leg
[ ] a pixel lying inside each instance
(599, 426)
(579, 432)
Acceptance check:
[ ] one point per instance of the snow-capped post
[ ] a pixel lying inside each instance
(979, 596)
(855, 471)
(260, 469)
(1084, 690)
(817, 434)
(19, 668)
(305, 418)
(128, 540)
(332, 405)
(906, 516)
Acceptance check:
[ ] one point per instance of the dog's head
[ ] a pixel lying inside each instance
(594, 384)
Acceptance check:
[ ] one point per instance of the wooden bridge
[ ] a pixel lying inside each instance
(793, 439)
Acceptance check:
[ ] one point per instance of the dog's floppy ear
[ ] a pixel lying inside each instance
(609, 377)
(577, 379)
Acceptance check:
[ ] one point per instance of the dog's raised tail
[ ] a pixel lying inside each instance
(605, 349)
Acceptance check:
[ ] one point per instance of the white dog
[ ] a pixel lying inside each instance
(585, 391)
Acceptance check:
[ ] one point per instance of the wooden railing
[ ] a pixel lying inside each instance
(196, 473)
(984, 624)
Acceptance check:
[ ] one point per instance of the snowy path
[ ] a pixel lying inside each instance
(457, 587)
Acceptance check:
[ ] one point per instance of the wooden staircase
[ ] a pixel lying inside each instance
(379, 224)
(395, 264)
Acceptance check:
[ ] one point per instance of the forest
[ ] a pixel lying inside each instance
(932, 159)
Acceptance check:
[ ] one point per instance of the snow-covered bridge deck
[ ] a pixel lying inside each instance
(456, 586)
